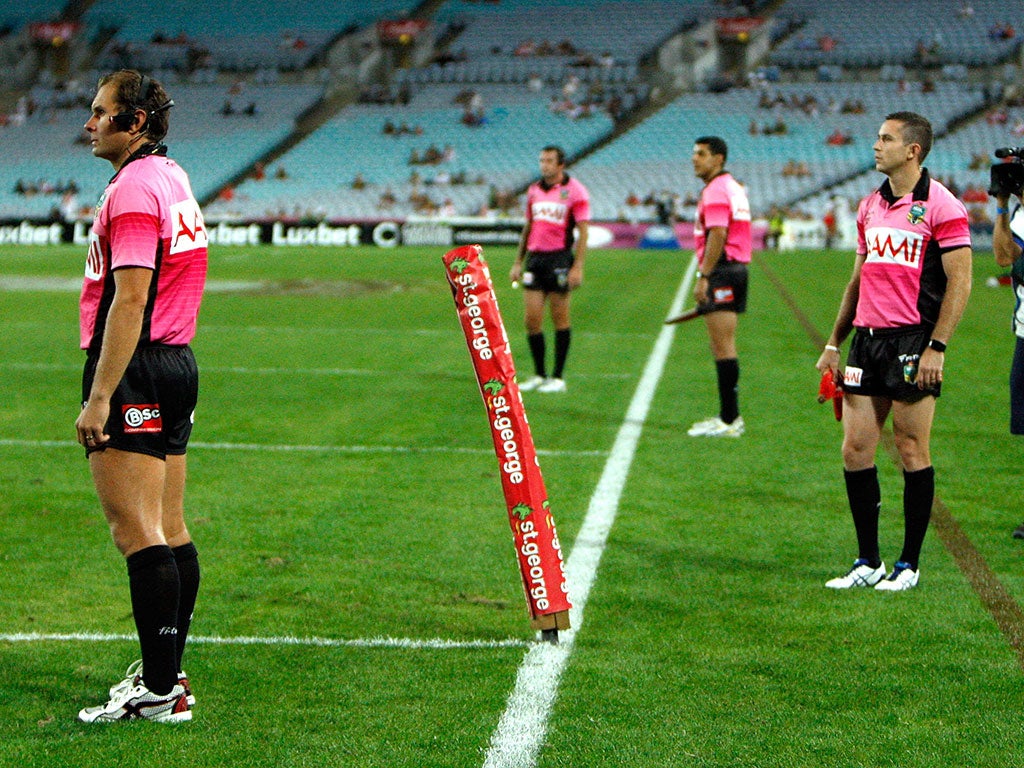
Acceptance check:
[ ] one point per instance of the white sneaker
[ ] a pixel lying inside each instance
(902, 577)
(531, 383)
(552, 385)
(700, 427)
(133, 676)
(861, 575)
(717, 428)
(140, 703)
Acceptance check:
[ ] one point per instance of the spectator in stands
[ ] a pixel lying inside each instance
(838, 138)
(280, 173)
(387, 200)
(550, 262)
(358, 182)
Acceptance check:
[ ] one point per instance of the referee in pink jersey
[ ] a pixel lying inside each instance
(550, 263)
(910, 284)
(144, 278)
(723, 246)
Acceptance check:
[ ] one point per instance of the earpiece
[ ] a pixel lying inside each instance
(125, 120)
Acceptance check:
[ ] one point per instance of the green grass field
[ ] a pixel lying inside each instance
(343, 488)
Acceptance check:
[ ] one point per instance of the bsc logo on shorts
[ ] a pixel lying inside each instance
(723, 295)
(141, 418)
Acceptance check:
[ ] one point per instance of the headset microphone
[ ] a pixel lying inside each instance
(125, 120)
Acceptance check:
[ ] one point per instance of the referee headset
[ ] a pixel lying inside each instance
(125, 120)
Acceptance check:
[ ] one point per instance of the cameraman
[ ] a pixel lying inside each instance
(1008, 246)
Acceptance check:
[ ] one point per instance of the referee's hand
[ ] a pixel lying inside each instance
(929, 368)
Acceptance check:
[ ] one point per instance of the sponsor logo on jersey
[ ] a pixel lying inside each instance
(916, 214)
(556, 213)
(94, 258)
(140, 419)
(188, 231)
(852, 376)
(889, 245)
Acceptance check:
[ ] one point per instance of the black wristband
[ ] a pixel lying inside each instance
(938, 346)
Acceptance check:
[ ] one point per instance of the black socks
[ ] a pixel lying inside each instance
(728, 389)
(918, 495)
(865, 502)
(187, 559)
(154, 586)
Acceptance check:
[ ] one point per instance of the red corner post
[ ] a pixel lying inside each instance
(533, 526)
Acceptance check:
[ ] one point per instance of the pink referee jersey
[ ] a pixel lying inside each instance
(902, 281)
(553, 213)
(723, 203)
(147, 217)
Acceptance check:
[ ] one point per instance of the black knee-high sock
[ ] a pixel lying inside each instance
(537, 351)
(865, 497)
(563, 337)
(153, 581)
(918, 495)
(187, 559)
(728, 389)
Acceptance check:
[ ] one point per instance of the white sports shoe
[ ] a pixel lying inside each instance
(139, 703)
(902, 577)
(133, 676)
(717, 428)
(531, 383)
(861, 575)
(552, 385)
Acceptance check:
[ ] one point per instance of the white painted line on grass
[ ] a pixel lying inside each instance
(351, 449)
(324, 642)
(523, 726)
(279, 370)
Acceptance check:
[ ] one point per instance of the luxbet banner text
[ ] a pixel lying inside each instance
(533, 525)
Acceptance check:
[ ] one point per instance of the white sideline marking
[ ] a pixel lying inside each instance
(523, 726)
(259, 447)
(324, 642)
(275, 371)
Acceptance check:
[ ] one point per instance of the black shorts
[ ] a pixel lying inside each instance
(883, 363)
(151, 411)
(727, 287)
(548, 271)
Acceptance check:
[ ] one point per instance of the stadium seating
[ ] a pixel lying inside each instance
(212, 147)
(655, 155)
(906, 33)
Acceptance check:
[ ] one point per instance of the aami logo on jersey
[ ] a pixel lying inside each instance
(141, 418)
(188, 231)
(553, 212)
(895, 246)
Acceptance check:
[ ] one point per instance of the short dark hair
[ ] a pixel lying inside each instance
(559, 152)
(128, 93)
(716, 144)
(916, 130)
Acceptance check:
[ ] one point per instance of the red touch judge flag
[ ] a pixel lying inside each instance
(529, 514)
